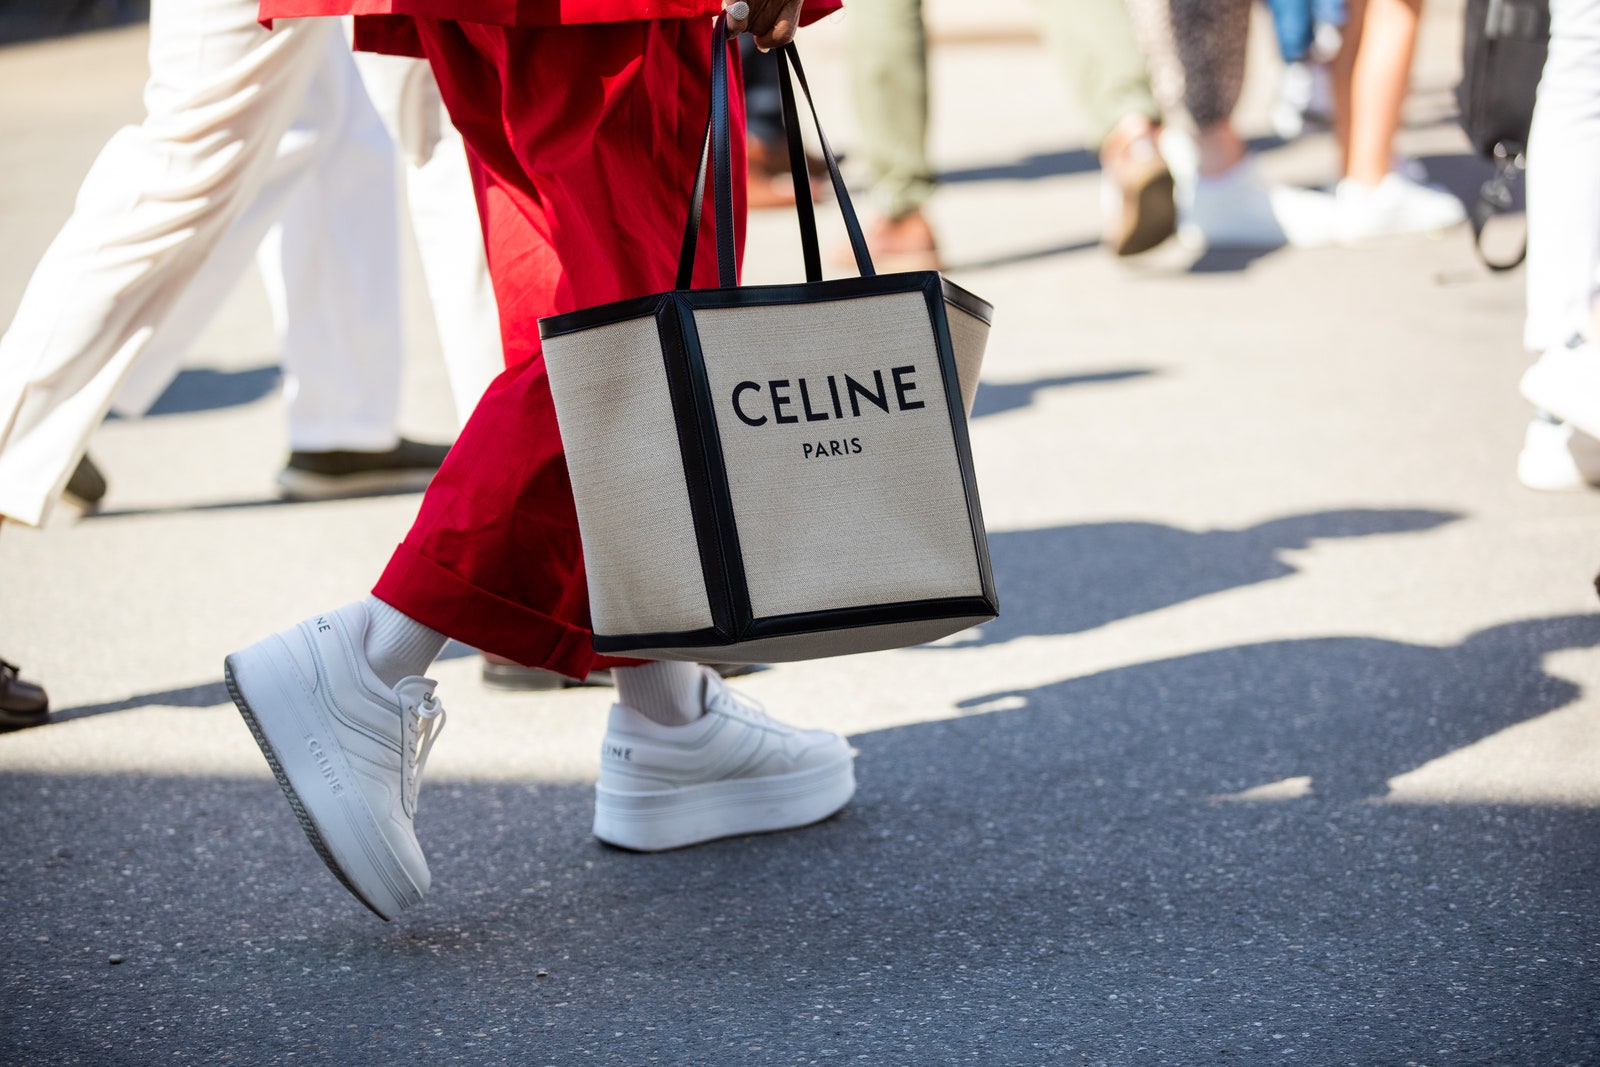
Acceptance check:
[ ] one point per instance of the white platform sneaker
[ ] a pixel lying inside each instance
(1565, 381)
(1558, 457)
(347, 749)
(732, 771)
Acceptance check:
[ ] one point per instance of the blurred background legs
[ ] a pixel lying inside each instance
(1378, 195)
(889, 76)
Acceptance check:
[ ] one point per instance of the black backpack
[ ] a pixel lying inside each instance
(1504, 48)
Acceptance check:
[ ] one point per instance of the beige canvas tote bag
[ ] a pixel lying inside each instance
(777, 472)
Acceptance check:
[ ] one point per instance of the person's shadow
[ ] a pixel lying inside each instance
(1022, 864)
(1349, 713)
(1067, 579)
(198, 389)
(997, 398)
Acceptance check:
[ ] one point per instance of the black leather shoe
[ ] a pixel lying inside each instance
(21, 703)
(515, 677)
(87, 486)
(407, 467)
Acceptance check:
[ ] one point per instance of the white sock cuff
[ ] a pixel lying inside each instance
(669, 692)
(398, 646)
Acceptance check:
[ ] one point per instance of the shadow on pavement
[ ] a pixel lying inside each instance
(1228, 260)
(997, 398)
(1067, 579)
(206, 389)
(1012, 259)
(1350, 713)
(1056, 164)
(1040, 886)
(1060, 580)
(204, 695)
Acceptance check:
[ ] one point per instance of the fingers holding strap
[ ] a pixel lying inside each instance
(771, 22)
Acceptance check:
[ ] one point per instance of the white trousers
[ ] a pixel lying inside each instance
(251, 139)
(321, 228)
(444, 218)
(1564, 180)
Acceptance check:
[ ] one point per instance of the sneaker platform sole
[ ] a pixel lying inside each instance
(318, 781)
(675, 818)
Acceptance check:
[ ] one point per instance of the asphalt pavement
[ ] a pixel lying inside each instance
(1285, 748)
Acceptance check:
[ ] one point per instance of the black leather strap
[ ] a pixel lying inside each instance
(718, 153)
(800, 173)
(1495, 198)
(691, 232)
(722, 159)
(787, 56)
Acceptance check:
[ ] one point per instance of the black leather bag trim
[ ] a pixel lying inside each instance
(811, 622)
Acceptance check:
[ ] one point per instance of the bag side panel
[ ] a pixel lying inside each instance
(970, 336)
(621, 440)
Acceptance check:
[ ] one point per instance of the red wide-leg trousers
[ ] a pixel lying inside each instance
(584, 141)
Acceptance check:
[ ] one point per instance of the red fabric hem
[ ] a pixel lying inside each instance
(444, 601)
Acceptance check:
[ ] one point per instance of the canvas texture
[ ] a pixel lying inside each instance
(842, 466)
(621, 437)
(857, 499)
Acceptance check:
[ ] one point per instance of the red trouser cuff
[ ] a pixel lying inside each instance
(444, 601)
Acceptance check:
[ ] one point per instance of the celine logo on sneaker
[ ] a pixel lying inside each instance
(820, 400)
(618, 752)
(325, 765)
(323, 625)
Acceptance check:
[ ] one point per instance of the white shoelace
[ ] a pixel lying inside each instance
(743, 702)
(429, 723)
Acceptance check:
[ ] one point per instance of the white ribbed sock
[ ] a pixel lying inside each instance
(668, 692)
(398, 646)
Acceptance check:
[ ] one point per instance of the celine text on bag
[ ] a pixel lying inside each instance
(777, 472)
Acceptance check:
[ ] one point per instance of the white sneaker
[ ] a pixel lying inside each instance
(346, 748)
(1566, 382)
(1326, 41)
(732, 771)
(1295, 87)
(1558, 457)
(1239, 209)
(1400, 204)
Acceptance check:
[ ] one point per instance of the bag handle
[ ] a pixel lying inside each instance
(1495, 198)
(717, 126)
(718, 153)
